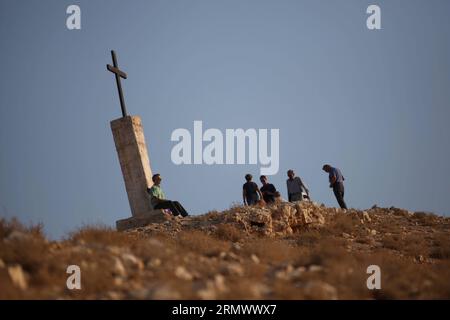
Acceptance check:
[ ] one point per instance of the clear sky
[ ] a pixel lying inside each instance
(376, 104)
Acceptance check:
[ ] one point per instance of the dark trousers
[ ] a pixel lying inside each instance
(295, 197)
(252, 199)
(338, 189)
(173, 206)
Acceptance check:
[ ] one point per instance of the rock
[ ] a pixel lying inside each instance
(297, 272)
(84, 265)
(236, 246)
(315, 268)
(289, 272)
(207, 293)
(305, 217)
(234, 269)
(18, 277)
(141, 294)
(164, 293)
(261, 218)
(317, 289)
(212, 288)
(373, 232)
(183, 274)
(131, 261)
(54, 246)
(258, 290)
(255, 258)
(230, 256)
(420, 259)
(18, 236)
(399, 212)
(155, 242)
(309, 214)
(219, 282)
(284, 273)
(114, 250)
(366, 216)
(118, 268)
(154, 263)
(279, 220)
(118, 281)
(113, 295)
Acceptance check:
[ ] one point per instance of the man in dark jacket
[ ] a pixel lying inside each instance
(250, 191)
(337, 183)
(268, 190)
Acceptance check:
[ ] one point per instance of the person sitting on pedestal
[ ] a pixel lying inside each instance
(158, 201)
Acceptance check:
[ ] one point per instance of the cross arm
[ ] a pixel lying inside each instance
(116, 71)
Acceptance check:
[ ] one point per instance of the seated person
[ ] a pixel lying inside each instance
(268, 190)
(158, 200)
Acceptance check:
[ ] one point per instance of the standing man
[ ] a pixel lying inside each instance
(268, 190)
(158, 199)
(250, 191)
(295, 187)
(337, 183)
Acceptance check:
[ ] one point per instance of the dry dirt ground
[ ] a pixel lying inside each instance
(285, 251)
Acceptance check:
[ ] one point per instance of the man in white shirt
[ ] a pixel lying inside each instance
(295, 187)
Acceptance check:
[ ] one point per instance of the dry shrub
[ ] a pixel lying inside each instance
(270, 250)
(424, 218)
(285, 290)
(100, 235)
(26, 249)
(441, 247)
(310, 237)
(415, 244)
(211, 215)
(201, 243)
(8, 226)
(364, 240)
(392, 242)
(403, 279)
(229, 232)
(342, 222)
(329, 252)
(388, 225)
(153, 249)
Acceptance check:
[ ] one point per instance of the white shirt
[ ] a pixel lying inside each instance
(295, 185)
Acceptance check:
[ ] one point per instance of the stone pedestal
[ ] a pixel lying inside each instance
(154, 216)
(137, 174)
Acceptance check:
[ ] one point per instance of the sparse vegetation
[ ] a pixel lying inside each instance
(225, 256)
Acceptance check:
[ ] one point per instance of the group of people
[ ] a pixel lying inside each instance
(296, 189)
(252, 194)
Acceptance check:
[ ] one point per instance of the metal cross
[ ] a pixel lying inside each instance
(119, 74)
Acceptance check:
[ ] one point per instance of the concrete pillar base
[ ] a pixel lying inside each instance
(154, 216)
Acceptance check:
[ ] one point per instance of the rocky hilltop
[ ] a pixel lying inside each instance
(285, 251)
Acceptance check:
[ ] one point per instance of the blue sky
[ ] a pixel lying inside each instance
(375, 104)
